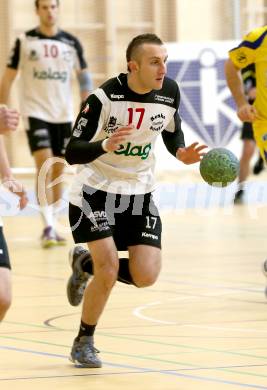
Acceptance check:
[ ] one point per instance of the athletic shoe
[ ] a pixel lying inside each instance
(239, 197)
(259, 166)
(83, 353)
(60, 240)
(78, 280)
(48, 238)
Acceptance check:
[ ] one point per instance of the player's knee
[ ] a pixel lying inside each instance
(145, 280)
(107, 273)
(5, 303)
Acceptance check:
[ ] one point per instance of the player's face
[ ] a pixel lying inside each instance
(47, 12)
(151, 66)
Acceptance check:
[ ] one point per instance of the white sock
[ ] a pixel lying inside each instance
(47, 215)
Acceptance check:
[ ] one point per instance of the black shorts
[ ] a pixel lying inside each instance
(129, 219)
(247, 131)
(4, 257)
(43, 135)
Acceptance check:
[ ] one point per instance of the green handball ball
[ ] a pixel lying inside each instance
(219, 167)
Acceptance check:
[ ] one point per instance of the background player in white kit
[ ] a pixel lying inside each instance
(46, 57)
(111, 203)
(9, 120)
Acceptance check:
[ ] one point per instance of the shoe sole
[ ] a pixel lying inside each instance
(49, 244)
(84, 365)
(70, 278)
(61, 243)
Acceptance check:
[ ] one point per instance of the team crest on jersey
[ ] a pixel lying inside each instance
(33, 56)
(157, 122)
(241, 57)
(79, 127)
(67, 55)
(112, 125)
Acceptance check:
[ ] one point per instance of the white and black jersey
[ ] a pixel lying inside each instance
(46, 65)
(129, 170)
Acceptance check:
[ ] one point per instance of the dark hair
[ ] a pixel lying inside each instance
(37, 3)
(140, 40)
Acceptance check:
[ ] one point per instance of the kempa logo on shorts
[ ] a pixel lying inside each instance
(149, 235)
(136, 150)
(50, 75)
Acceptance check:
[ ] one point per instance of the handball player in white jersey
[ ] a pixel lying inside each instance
(45, 58)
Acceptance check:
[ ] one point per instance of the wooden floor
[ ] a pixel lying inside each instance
(203, 325)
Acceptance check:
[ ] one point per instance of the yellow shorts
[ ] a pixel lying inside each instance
(260, 135)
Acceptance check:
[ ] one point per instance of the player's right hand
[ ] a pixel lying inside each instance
(121, 135)
(9, 119)
(247, 113)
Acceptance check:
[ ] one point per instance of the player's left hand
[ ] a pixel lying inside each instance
(191, 154)
(16, 188)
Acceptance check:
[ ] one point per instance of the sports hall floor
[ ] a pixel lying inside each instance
(203, 325)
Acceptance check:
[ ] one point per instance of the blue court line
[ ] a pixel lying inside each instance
(140, 370)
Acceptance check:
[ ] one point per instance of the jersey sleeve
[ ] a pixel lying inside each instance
(80, 59)
(246, 52)
(13, 60)
(82, 148)
(172, 135)
(249, 77)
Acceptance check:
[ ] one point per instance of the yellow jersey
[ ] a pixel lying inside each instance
(253, 49)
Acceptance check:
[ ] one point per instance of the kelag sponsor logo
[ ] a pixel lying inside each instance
(49, 74)
(136, 150)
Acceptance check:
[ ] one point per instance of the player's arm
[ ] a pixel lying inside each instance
(6, 83)
(7, 177)
(85, 83)
(83, 75)
(245, 111)
(173, 136)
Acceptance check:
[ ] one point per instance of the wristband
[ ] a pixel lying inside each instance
(104, 145)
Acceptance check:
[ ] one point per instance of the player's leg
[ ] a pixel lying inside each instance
(91, 225)
(261, 141)
(5, 291)
(144, 264)
(247, 153)
(60, 135)
(5, 277)
(105, 259)
(144, 244)
(57, 188)
(40, 145)
(260, 132)
(45, 196)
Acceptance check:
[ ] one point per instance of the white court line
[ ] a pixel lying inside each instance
(137, 311)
